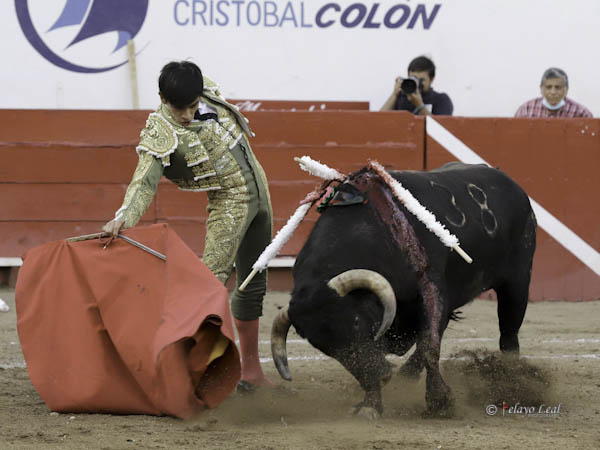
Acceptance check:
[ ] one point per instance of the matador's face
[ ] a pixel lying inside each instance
(183, 116)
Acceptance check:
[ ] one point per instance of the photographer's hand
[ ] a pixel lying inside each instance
(391, 101)
(417, 100)
(398, 86)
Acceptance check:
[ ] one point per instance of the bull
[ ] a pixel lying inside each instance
(372, 280)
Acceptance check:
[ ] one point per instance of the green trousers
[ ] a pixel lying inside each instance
(238, 230)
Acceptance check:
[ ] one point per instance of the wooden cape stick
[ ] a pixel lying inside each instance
(87, 237)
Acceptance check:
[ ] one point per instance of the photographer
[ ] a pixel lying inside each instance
(415, 93)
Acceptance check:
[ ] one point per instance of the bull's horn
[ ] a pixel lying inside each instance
(279, 331)
(374, 281)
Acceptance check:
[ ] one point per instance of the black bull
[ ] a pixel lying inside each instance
(409, 283)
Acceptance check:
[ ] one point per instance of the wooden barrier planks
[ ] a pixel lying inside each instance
(68, 175)
(246, 105)
(64, 173)
(556, 162)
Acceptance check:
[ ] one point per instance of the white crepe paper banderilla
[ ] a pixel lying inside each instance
(281, 238)
(420, 212)
(314, 168)
(3, 306)
(318, 169)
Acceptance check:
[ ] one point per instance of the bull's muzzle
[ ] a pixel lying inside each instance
(342, 284)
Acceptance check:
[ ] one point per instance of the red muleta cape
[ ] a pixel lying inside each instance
(121, 331)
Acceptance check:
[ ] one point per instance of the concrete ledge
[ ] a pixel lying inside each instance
(279, 279)
(11, 262)
(284, 261)
(280, 273)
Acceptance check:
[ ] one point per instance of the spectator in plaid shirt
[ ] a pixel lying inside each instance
(554, 101)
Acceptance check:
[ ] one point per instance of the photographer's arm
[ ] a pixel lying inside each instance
(391, 101)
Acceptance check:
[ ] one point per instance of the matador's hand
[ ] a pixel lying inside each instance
(113, 227)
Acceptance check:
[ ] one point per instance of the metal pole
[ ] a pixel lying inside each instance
(143, 247)
(125, 238)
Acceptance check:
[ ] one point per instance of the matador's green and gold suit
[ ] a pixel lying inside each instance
(210, 155)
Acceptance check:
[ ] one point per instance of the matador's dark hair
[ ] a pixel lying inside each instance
(180, 83)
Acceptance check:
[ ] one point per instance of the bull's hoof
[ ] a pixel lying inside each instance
(511, 356)
(438, 413)
(509, 343)
(365, 412)
(440, 407)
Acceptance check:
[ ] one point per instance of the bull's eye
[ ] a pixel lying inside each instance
(356, 323)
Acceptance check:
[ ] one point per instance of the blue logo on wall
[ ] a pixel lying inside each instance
(93, 18)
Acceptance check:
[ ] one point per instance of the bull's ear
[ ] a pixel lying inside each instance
(348, 198)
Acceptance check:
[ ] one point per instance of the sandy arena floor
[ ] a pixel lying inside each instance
(560, 343)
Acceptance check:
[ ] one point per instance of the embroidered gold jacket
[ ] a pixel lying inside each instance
(196, 158)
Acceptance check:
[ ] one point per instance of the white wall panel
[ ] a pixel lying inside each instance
(490, 54)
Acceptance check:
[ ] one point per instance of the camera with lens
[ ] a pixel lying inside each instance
(410, 85)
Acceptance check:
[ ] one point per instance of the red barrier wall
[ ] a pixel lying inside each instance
(64, 173)
(557, 163)
(297, 105)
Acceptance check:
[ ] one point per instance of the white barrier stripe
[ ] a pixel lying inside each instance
(572, 341)
(583, 356)
(18, 365)
(566, 237)
(22, 364)
(448, 358)
(480, 339)
(555, 228)
(452, 143)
